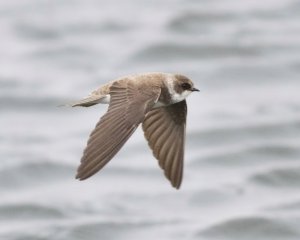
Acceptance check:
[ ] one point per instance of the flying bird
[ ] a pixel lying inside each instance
(157, 100)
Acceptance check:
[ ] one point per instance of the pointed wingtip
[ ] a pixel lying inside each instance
(79, 175)
(176, 186)
(80, 178)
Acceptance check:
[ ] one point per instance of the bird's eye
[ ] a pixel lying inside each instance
(186, 86)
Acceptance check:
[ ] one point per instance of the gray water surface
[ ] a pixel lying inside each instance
(242, 165)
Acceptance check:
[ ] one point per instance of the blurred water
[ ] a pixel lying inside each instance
(242, 169)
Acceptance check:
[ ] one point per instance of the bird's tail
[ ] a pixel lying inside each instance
(87, 101)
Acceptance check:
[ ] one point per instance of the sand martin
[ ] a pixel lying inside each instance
(157, 100)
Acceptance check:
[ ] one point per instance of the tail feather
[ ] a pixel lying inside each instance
(88, 101)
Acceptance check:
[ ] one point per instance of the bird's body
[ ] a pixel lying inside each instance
(157, 100)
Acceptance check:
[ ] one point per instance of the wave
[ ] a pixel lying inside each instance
(259, 228)
(285, 177)
(33, 173)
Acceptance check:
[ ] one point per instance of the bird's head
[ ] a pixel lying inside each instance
(182, 87)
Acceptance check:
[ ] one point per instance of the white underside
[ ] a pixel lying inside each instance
(180, 97)
(105, 100)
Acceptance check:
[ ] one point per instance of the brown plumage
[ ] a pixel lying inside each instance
(157, 101)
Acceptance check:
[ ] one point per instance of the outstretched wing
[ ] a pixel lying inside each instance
(127, 109)
(164, 129)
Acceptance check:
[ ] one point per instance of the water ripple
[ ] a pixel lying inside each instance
(288, 177)
(250, 228)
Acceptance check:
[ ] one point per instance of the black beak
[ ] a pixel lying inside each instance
(195, 90)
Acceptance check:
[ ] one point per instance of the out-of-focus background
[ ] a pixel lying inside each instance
(242, 165)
